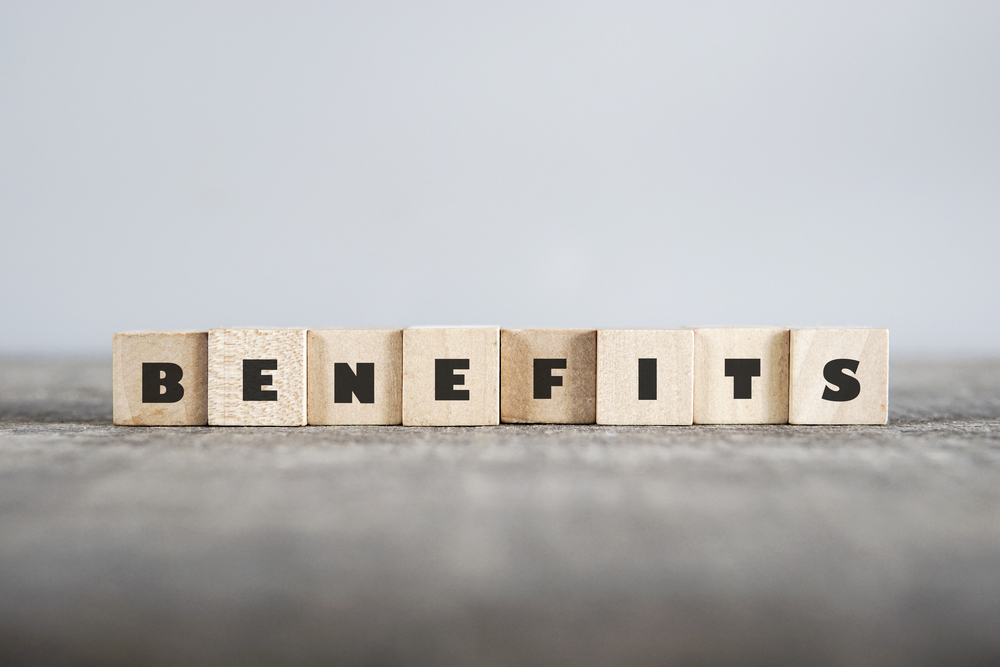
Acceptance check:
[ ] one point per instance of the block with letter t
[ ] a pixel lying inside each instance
(451, 376)
(741, 376)
(160, 378)
(355, 376)
(257, 377)
(839, 376)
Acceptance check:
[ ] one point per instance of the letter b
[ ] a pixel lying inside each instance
(162, 375)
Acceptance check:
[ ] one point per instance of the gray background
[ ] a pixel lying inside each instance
(567, 164)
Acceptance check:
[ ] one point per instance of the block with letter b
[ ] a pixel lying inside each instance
(645, 376)
(160, 378)
(548, 376)
(257, 377)
(355, 376)
(839, 376)
(741, 376)
(451, 376)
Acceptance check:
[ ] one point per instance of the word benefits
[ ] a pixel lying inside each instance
(483, 376)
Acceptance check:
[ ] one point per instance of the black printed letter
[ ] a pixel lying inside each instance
(544, 379)
(254, 382)
(647, 379)
(164, 375)
(445, 380)
(345, 383)
(742, 371)
(848, 387)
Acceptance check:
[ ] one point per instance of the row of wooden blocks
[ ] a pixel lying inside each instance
(479, 376)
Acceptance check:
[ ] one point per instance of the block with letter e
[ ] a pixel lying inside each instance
(451, 376)
(645, 376)
(839, 376)
(257, 377)
(741, 376)
(548, 376)
(355, 376)
(160, 378)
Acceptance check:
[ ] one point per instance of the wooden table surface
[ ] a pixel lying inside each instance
(510, 545)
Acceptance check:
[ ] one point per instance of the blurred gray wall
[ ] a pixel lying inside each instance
(189, 165)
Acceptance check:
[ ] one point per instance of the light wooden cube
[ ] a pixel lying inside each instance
(257, 377)
(741, 376)
(355, 376)
(160, 378)
(645, 377)
(839, 376)
(548, 376)
(451, 376)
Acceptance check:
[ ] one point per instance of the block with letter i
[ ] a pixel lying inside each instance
(160, 378)
(548, 376)
(451, 376)
(839, 376)
(355, 376)
(741, 376)
(645, 377)
(257, 377)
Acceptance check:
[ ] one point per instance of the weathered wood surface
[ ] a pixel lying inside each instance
(531, 545)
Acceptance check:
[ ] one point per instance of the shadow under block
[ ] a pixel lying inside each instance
(160, 378)
(645, 377)
(355, 376)
(257, 377)
(839, 376)
(548, 376)
(451, 376)
(741, 376)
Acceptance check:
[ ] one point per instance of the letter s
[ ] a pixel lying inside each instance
(848, 387)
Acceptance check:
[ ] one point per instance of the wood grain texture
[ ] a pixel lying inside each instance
(618, 397)
(187, 349)
(714, 400)
(381, 347)
(810, 352)
(572, 402)
(480, 347)
(227, 351)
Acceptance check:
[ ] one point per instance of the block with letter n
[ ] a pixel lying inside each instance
(355, 376)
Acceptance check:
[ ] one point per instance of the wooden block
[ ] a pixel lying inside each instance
(160, 378)
(645, 377)
(257, 377)
(839, 376)
(451, 376)
(740, 376)
(355, 376)
(548, 376)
